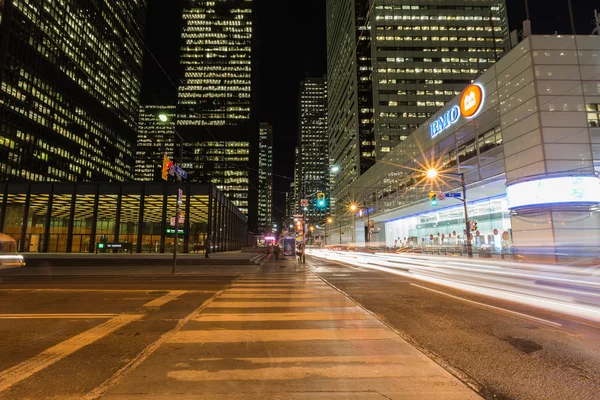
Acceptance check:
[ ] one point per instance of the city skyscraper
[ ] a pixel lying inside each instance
(265, 178)
(391, 66)
(155, 139)
(350, 96)
(216, 106)
(313, 145)
(71, 80)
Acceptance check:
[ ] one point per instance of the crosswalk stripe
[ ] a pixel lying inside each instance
(412, 369)
(280, 296)
(56, 353)
(278, 304)
(277, 335)
(306, 316)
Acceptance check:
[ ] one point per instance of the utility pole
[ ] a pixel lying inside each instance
(572, 18)
(177, 207)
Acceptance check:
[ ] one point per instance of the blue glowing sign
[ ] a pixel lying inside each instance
(449, 118)
(569, 189)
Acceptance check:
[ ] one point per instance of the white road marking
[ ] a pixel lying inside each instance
(57, 316)
(161, 301)
(27, 368)
(498, 309)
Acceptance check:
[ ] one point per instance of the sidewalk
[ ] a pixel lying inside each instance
(283, 333)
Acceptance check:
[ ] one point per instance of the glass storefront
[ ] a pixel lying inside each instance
(447, 226)
(65, 217)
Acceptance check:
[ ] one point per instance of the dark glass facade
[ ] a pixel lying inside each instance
(77, 218)
(69, 100)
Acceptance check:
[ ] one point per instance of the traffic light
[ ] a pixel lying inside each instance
(166, 165)
(321, 199)
(433, 198)
(299, 225)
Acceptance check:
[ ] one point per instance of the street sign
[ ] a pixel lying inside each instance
(441, 196)
(304, 203)
(453, 195)
(299, 216)
(172, 170)
(179, 171)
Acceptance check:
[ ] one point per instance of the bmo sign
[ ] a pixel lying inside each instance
(470, 103)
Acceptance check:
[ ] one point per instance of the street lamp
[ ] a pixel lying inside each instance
(165, 118)
(329, 221)
(353, 208)
(335, 169)
(432, 174)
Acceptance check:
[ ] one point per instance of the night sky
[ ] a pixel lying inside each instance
(292, 45)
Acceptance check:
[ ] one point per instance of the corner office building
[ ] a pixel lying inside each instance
(265, 179)
(530, 155)
(71, 77)
(392, 64)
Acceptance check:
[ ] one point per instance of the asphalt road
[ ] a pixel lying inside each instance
(510, 351)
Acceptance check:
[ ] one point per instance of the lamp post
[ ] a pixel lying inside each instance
(165, 118)
(353, 208)
(432, 174)
(329, 221)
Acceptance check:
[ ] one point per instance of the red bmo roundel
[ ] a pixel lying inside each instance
(471, 101)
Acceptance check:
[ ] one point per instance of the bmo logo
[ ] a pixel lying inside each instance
(470, 104)
(471, 101)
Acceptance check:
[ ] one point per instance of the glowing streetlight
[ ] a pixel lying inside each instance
(163, 117)
(353, 207)
(335, 169)
(432, 173)
(329, 220)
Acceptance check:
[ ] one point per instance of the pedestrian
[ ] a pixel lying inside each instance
(276, 251)
(207, 244)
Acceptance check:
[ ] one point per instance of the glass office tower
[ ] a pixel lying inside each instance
(216, 85)
(216, 106)
(265, 178)
(69, 100)
(313, 145)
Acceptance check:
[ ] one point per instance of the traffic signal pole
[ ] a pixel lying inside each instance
(467, 225)
(177, 208)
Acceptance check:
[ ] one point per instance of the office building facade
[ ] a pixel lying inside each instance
(527, 138)
(313, 154)
(265, 179)
(71, 79)
(156, 138)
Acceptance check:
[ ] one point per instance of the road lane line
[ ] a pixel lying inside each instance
(280, 335)
(43, 360)
(281, 304)
(161, 301)
(57, 316)
(304, 316)
(498, 309)
(122, 373)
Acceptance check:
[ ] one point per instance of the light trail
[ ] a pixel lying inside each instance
(568, 290)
